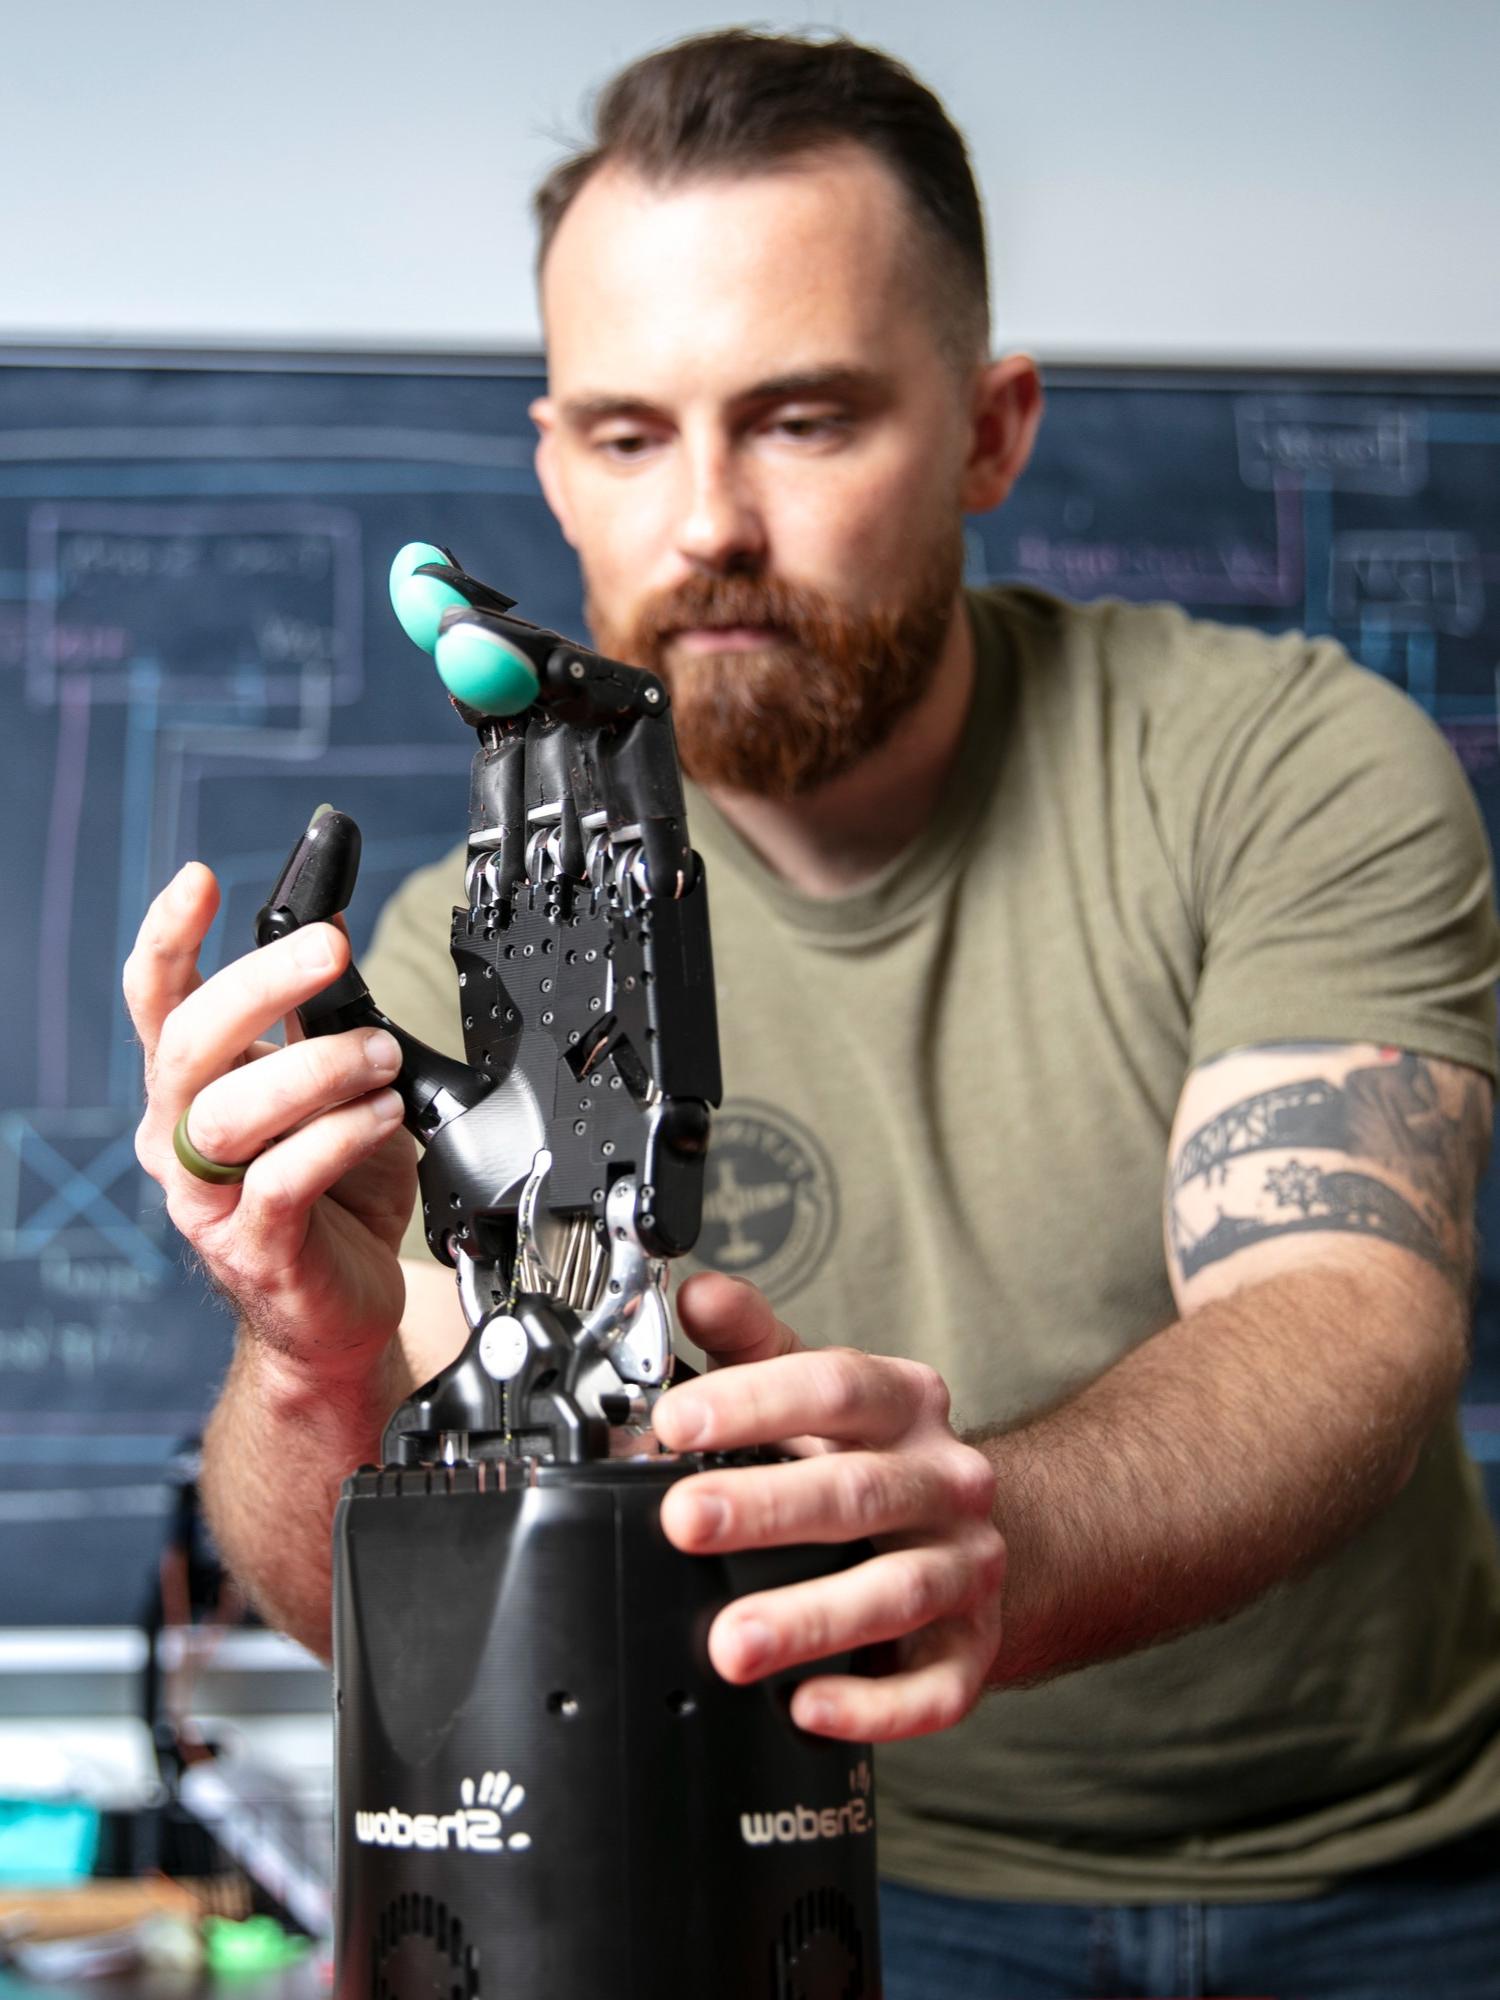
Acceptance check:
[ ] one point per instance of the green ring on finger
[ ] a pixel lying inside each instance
(198, 1164)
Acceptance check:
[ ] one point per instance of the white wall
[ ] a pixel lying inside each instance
(1302, 179)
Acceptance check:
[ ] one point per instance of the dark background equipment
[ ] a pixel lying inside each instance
(195, 650)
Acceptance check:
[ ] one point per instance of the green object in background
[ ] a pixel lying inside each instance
(259, 1944)
(481, 669)
(46, 1841)
(420, 601)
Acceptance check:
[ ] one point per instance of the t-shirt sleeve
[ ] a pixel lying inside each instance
(1341, 876)
(410, 972)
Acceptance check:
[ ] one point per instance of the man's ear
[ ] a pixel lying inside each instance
(1007, 411)
(543, 413)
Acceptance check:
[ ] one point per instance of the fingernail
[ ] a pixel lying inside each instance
(387, 1106)
(752, 1645)
(708, 1517)
(311, 949)
(688, 1419)
(382, 1051)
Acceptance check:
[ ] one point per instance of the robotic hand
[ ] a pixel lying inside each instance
(563, 1161)
(543, 1787)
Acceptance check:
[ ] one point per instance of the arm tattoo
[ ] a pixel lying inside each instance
(1425, 1124)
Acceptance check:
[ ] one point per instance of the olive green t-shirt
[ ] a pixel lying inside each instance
(948, 1099)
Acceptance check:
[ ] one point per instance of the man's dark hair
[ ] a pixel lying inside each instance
(735, 101)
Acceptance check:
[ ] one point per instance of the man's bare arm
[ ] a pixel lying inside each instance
(1320, 1236)
(282, 1440)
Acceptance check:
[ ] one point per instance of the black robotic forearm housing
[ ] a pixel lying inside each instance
(545, 1791)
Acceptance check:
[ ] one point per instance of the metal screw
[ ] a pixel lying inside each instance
(577, 669)
(653, 695)
(607, 1148)
(579, 1128)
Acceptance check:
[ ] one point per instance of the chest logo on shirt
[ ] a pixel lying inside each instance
(770, 1202)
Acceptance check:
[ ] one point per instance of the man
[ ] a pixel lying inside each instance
(1021, 911)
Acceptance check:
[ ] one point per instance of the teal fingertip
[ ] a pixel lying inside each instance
(407, 558)
(420, 601)
(484, 671)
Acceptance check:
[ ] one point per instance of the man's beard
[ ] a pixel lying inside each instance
(782, 719)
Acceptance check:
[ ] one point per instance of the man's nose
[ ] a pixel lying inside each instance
(720, 528)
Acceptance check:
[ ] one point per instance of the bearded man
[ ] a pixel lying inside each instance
(1023, 910)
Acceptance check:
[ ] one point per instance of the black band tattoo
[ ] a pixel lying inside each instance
(1426, 1124)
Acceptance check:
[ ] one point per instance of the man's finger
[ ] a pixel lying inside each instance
(889, 1596)
(162, 969)
(731, 1320)
(917, 1701)
(291, 1027)
(209, 1031)
(834, 1497)
(282, 1185)
(242, 1112)
(832, 1392)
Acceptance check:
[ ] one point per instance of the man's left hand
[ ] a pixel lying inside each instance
(874, 1456)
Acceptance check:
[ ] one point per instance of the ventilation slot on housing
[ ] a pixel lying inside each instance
(820, 1954)
(420, 1953)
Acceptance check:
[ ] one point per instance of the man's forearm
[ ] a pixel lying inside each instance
(1233, 1449)
(276, 1451)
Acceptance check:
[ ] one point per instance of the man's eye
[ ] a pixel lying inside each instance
(811, 428)
(623, 444)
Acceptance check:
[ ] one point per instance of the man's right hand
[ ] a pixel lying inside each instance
(306, 1244)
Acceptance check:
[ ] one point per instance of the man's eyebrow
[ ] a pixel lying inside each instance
(838, 379)
(585, 410)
